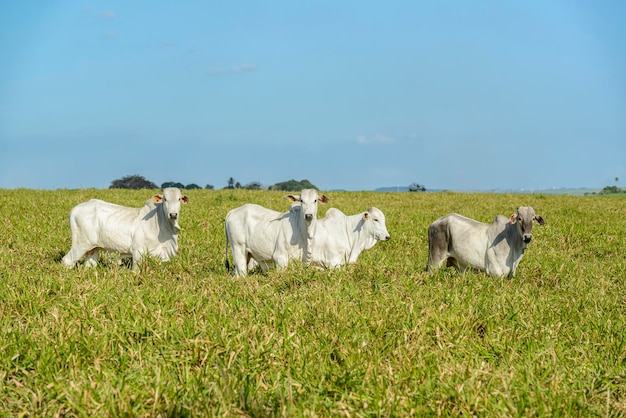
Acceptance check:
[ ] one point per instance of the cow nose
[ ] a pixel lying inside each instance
(387, 238)
(308, 217)
(173, 216)
(527, 238)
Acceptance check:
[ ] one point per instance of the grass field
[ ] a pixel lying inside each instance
(379, 338)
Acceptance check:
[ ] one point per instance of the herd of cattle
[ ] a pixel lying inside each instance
(265, 238)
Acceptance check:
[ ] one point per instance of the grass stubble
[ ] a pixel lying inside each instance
(380, 337)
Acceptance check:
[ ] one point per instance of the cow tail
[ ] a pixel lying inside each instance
(430, 249)
(226, 263)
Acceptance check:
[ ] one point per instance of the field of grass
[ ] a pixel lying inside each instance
(379, 338)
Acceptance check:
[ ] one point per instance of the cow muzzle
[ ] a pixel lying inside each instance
(527, 238)
(308, 217)
(173, 216)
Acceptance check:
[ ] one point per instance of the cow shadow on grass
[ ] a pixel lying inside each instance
(57, 256)
(104, 259)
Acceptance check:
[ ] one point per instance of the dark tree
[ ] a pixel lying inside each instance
(293, 185)
(209, 187)
(133, 182)
(255, 185)
(192, 186)
(610, 189)
(416, 187)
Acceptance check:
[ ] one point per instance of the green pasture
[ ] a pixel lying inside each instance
(379, 338)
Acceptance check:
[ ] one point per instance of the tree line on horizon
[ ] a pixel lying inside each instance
(137, 182)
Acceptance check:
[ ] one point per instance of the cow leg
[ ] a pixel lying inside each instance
(240, 261)
(75, 254)
(437, 247)
(136, 260)
(252, 263)
(281, 260)
(91, 258)
(436, 259)
(265, 266)
(83, 240)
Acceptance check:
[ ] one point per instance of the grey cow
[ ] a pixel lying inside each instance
(495, 248)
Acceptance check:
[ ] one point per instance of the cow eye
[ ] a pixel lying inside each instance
(519, 219)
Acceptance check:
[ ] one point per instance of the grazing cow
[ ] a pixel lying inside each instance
(495, 248)
(339, 239)
(151, 229)
(269, 237)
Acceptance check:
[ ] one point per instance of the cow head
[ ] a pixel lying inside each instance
(308, 199)
(171, 200)
(377, 221)
(523, 218)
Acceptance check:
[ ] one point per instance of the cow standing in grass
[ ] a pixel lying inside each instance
(340, 239)
(269, 237)
(133, 232)
(495, 248)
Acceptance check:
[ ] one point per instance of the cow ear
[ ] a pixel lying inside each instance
(513, 218)
(539, 219)
(157, 198)
(184, 199)
(292, 198)
(366, 216)
(323, 199)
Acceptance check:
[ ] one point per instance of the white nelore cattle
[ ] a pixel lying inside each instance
(269, 237)
(339, 239)
(149, 230)
(495, 248)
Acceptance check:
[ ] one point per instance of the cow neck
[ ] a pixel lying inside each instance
(523, 247)
(518, 243)
(163, 219)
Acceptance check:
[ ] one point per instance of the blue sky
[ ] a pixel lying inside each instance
(350, 95)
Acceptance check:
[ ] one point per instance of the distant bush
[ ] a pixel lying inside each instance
(293, 185)
(610, 190)
(255, 185)
(192, 186)
(135, 182)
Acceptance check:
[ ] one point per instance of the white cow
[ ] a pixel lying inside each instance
(269, 237)
(151, 229)
(495, 248)
(339, 239)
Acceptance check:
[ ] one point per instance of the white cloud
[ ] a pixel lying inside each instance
(106, 14)
(243, 68)
(237, 69)
(376, 139)
(216, 70)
